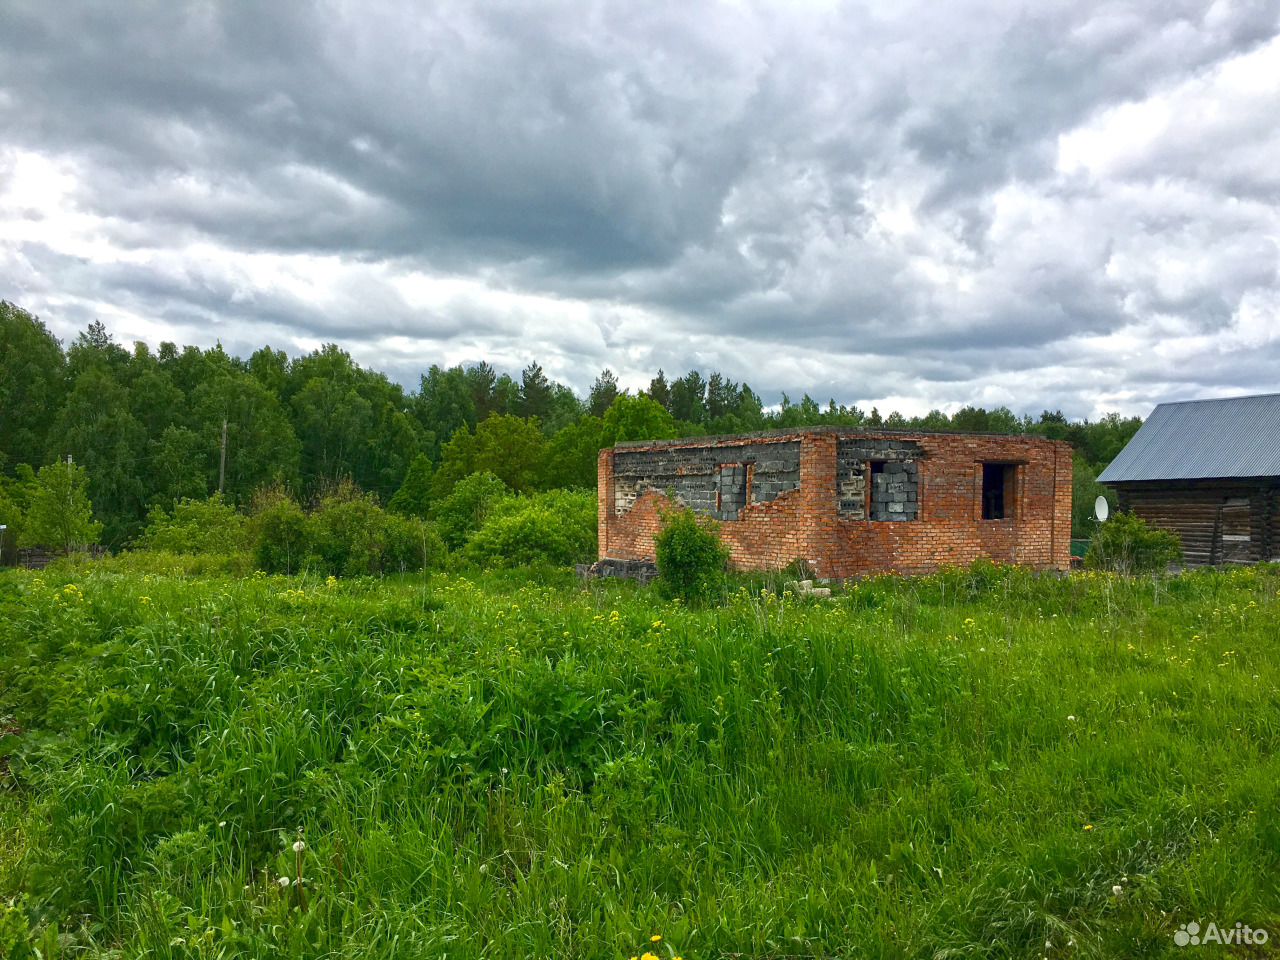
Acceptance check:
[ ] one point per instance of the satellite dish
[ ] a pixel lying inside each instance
(1101, 509)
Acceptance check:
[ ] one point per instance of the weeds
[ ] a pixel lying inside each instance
(515, 766)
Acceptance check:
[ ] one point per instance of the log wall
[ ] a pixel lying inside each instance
(1218, 521)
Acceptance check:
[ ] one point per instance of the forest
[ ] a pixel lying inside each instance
(151, 428)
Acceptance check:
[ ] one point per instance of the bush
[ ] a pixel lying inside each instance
(462, 512)
(15, 933)
(346, 534)
(195, 526)
(278, 529)
(691, 557)
(351, 535)
(558, 527)
(1127, 545)
(168, 564)
(411, 544)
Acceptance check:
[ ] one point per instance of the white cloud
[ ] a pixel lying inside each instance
(1068, 205)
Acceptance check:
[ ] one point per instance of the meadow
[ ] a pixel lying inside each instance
(981, 763)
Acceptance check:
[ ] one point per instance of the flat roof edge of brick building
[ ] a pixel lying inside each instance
(783, 433)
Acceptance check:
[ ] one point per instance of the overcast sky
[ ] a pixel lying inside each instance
(1067, 205)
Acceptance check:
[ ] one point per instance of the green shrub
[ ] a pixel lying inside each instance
(346, 534)
(15, 934)
(169, 564)
(462, 512)
(691, 557)
(411, 544)
(557, 527)
(195, 526)
(278, 530)
(1127, 545)
(351, 535)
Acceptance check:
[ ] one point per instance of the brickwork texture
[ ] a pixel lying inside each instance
(849, 502)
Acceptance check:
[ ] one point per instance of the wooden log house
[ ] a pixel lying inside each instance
(1208, 471)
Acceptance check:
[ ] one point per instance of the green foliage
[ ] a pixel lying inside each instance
(691, 557)
(604, 390)
(636, 418)
(445, 405)
(179, 466)
(15, 934)
(558, 528)
(148, 426)
(535, 393)
(11, 518)
(510, 448)
(31, 385)
(540, 769)
(278, 528)
(462, 512)
(1085, 490)
(195, 526)
(97, 427)
(262, 447)
(348, 534)
(1126, 544)
(410, 544)
(59, 514)
(572, 455)
(413, 499)
(238, 563)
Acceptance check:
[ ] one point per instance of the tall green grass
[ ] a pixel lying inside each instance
(516, 766)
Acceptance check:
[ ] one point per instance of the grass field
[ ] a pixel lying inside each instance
(984, 763)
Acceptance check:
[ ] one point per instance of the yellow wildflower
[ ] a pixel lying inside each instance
(144, 600)
(1088, 827)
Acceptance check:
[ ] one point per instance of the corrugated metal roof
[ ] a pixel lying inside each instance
(1231, 437)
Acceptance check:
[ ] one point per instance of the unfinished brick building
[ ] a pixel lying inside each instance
(848, 501)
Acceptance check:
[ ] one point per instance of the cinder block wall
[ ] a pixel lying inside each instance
(804, 498)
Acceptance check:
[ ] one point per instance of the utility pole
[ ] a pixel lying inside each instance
(222, 459)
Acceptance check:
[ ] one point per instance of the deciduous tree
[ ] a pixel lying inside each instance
(60, 514)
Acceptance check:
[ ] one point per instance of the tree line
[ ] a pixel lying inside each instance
(152, 428)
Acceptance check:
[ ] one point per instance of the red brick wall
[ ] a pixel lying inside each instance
(805, 524)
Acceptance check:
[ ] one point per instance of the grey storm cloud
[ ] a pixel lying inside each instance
(1066, 205)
